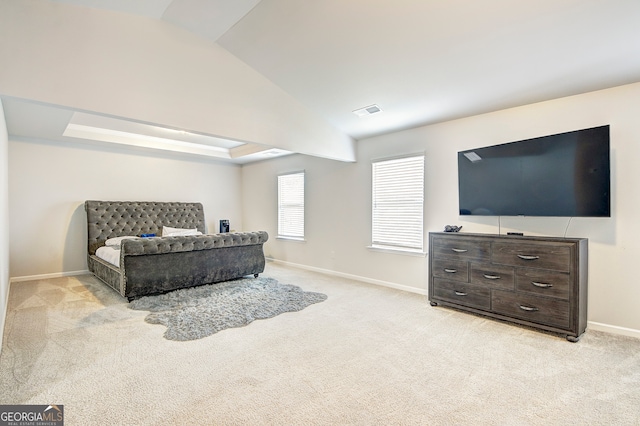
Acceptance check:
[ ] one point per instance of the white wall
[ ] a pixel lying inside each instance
(4, 221)
(49, 182)
(338, 212)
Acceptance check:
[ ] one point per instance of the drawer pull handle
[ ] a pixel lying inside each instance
(528, 308)
(525, 257)
(491, 277)
(450, 271)
(542, 285)
(460, 293)
(459, 250)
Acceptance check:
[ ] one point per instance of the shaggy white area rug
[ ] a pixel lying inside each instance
(197, 312)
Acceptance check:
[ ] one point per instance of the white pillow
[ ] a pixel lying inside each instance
(115, 242)
(173, 232)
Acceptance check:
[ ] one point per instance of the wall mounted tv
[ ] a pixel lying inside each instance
(567, 174)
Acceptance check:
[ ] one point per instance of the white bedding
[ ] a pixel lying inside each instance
(109, 253)
(111, 250)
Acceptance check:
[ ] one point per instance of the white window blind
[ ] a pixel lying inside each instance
(398, 203)
(291, 205)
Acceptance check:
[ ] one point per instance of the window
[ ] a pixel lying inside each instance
(398, 203)
(291, 206)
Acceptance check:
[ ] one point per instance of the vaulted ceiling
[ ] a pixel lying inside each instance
(284, 76)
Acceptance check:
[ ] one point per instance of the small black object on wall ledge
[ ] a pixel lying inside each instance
(452, 228)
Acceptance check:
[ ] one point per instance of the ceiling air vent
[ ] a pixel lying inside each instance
(369, 110)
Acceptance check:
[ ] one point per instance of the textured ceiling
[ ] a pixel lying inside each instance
(421, 61)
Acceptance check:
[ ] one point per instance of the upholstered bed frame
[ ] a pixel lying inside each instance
(161, 264)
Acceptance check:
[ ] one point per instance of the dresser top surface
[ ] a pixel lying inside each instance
(507, 237)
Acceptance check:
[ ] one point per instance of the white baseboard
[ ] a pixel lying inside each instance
(591, 325)
(47, 276)
(3, 316)
(352, 277)
(613, 329)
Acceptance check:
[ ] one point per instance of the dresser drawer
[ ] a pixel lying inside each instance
(541, 310)
(460, 248)
(493, 276)
(540, 281)
(556, 257)
(463, 294)
(451, 269)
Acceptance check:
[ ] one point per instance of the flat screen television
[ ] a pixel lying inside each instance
(567, 174)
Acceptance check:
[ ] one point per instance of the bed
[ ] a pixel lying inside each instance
(157, 247)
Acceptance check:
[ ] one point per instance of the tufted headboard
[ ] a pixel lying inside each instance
(109, 219)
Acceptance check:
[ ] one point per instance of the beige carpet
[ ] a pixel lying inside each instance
(366, 356)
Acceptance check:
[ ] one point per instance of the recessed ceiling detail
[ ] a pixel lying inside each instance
(33, 120)
(107, 129)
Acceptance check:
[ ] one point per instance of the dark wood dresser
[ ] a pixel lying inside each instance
(535, 281)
